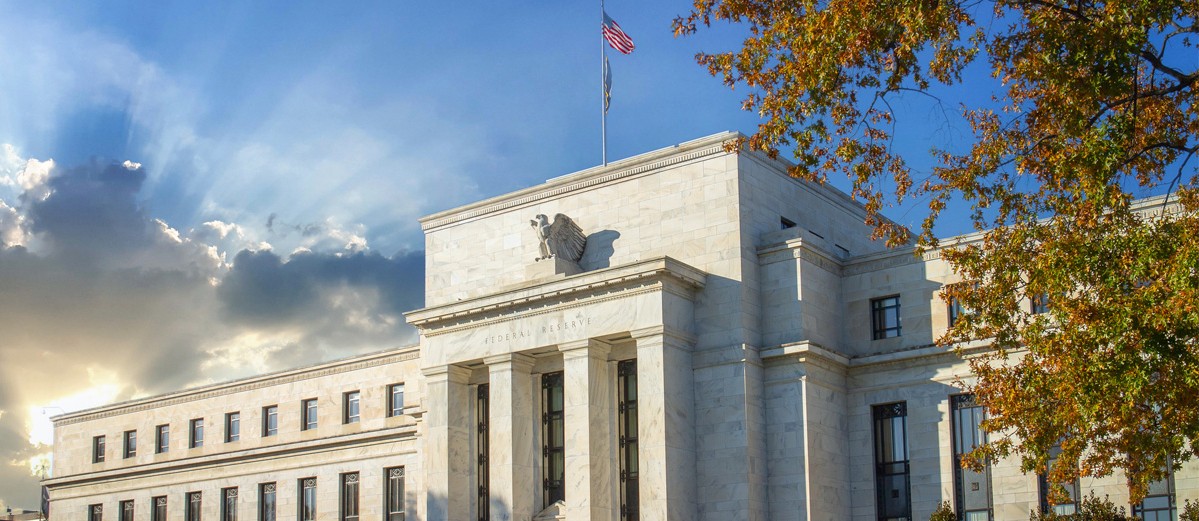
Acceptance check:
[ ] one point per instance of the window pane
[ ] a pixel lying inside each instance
(308, 499)
(160, 509)
(270, 420)
(396, 400)
(266, 502)
(395, 493)
(351, 407)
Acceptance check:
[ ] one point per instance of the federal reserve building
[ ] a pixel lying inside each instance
(688, 334)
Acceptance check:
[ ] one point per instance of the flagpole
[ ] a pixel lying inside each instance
(603, 94)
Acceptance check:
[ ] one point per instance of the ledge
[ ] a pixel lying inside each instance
(655, 268)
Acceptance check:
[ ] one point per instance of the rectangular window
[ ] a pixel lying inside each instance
(307, 503)
(972, 489)
(270, 420)
(891, 472)
(95, 513)
(1067, 507)
(125, 512)
(130, 444)
(193, 507)
(232, 427)
(266, 502)
(349, 406)
(308, 414)
(885, 317)
(483, 449)
(98, 449)
(394, 487)
(229, 504)
(1159, 503)
(162, 439)
(955, 311)
(349, 496)
(195, 436)
(395, 399)
(1039, 303)
(626, 411)
(553, 440)
(160, 508)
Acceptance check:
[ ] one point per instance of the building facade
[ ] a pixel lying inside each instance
(727, 343)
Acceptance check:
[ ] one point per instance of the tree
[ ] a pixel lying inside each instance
(1093, 107)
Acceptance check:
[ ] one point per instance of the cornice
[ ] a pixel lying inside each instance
(656, 274)
(237, 386)
(636, 165)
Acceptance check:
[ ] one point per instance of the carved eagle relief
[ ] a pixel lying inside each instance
(563, 238)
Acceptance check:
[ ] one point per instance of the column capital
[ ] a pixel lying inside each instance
(514, 361)
(592, 347)
(451, 373)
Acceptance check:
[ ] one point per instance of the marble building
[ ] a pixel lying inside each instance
(685, 334)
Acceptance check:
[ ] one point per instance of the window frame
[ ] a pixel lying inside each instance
(349, 496)
(162, 438)
(1043, 488)
(95, 512)
(269, 413)
(958, 404)
(393, 477)
(553, 421)
(627, 444)
(393, 408)
(483, 450)
(265, 489)
(879, 311)
(303, 485)
(228, 507)
(125, 510)
(351, 407)
(1038, 304)
(195, 433)
(196, 512)
(98, 449)
(129, 444)
(882, 419)
(232, 426)
(157, 503)
(305, 424)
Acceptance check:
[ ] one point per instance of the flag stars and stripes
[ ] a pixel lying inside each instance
(615, 36)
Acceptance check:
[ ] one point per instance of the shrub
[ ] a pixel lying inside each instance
(943, 513)
(1090, 508)
(1190, 512)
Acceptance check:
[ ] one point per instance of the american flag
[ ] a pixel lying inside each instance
(615, 36)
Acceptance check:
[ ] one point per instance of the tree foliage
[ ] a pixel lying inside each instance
(1093, 107)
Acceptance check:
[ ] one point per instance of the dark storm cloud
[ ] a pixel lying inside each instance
(264, 289)
(92, 211)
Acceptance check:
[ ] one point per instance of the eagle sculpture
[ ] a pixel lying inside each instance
(563, 238)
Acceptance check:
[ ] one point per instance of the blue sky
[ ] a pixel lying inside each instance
(191, 193)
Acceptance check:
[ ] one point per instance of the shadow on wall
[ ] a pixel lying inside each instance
(599, 250)
(437, 506)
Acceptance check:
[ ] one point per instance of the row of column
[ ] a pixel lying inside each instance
(665, 433)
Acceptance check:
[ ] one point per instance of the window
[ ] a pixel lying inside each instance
(1159, 504)
(232, 427)
(308, 414)
(955, 311)
(394, 485)
(349, 406)
(160, 509)
(785, 223)
(972, 489)
(95, 512)
(130, 444)
(553, 442)
(193, 506)
(266, 502)
(125, 512)
(1070, 506)
(229, 504)
(891, 472)
(885, 314)
(196, 433)
(1039, 303)
(98, 449)
(162, 439)
(307, 503)
(270, 420)
(349, 496)
(483, 470)
(626, 411)
(395, 399)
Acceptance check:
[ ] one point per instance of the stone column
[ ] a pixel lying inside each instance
(510, 427)
(588, 431)
(666, 425)
(447, 451)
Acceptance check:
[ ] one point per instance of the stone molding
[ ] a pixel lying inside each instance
(516, 361)
(665, 335)
(590, 347)
(800, 248)
(638, 165)
(452, 373)
(290, 449)
(238, 386)
(656, 274)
